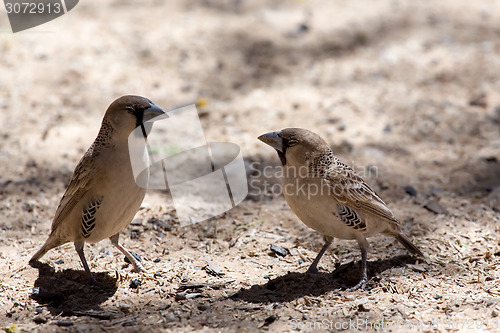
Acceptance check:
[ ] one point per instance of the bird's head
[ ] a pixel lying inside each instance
(128, 112)
(295, 146)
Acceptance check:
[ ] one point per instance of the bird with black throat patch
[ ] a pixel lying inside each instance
(329, 197)
(103, 197)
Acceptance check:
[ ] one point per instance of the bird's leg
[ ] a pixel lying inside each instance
(79, 250)
(364, 275)
(137, 265)
(313, 269)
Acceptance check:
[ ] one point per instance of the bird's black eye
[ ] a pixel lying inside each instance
(292, 142)
(137, 111)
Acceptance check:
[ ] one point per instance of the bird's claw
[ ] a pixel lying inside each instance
(312, 270)
(92, 280)
(361, 285)
(139, 269)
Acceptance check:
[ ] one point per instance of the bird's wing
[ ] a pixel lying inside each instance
(82, 180)
(350, 217)
(352, 191)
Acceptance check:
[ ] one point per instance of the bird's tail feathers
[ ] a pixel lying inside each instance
(407, 243)
(49, 244)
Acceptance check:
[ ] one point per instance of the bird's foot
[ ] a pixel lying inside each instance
(92, 280)
(138, 268)
(361, 285)
(312, 270)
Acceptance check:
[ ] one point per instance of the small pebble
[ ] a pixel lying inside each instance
(410, 190)
(278, 250)
(160, 224)
(4, 182)
(213, 269)
(157, 260)
(480, 100)
(136, 221)
(125, 308)
(303, 27)
(134, 284)
(435, 207)
(180, 296)
(384, 185)
(271, 319)
(64, 323)
(417, 268)
(332, 120)
(128, 324)
(341, 126)
(28, 207)
(436, 191)
(184, 295)
(169, 317)
(361, 308)
(135, 233)
(135, 255)
(203, 306)
(40, 320)
(31, 163)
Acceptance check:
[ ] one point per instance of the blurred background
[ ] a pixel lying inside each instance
(411, 88)
(420, 79)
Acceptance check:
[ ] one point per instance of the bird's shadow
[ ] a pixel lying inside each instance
(294, 285)
(68, 291)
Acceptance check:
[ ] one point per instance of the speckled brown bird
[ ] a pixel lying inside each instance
(102, 196)
(329, 197)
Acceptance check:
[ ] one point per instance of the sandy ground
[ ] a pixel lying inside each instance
(406, 92)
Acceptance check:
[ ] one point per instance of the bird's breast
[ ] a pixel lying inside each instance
(121, 199)
(309, 198)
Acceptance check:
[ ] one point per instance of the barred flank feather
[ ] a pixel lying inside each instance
(88, 218)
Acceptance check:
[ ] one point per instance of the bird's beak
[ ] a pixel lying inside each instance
(152, 112)
(273, 140)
